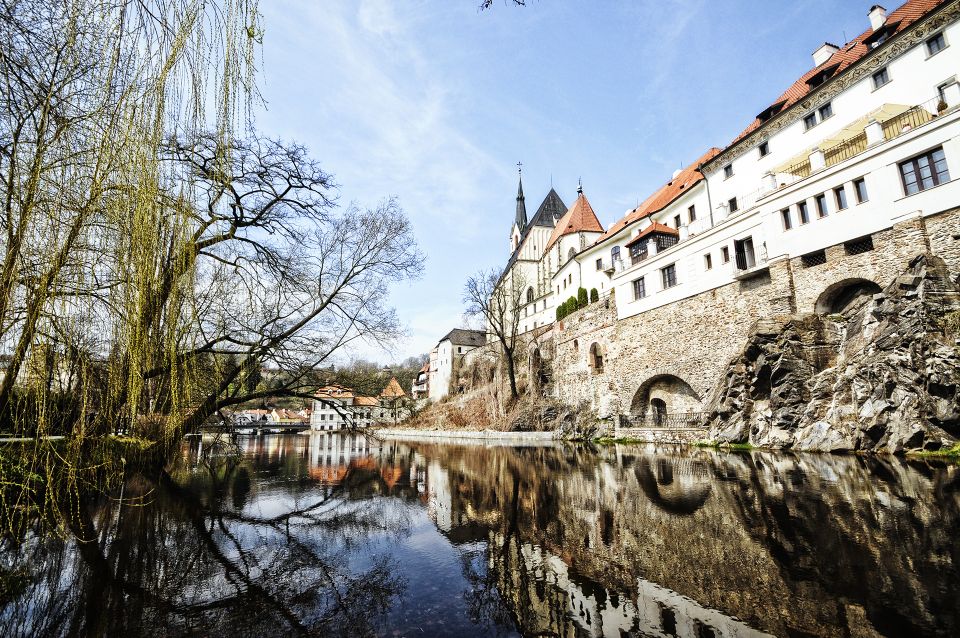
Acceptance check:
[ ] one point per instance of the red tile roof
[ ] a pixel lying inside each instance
(365, 401)
(663, 196)
(655, 227)
(580, 218)
(849, 54)
(393, 390)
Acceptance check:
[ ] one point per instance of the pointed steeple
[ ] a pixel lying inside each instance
(521, 204)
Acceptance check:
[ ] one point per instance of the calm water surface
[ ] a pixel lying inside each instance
(337, 535)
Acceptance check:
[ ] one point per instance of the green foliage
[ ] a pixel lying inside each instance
(582, 299)
(573, 304)
(560, 314)
(594, 295)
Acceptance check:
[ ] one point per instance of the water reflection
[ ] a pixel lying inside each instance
(331, 535)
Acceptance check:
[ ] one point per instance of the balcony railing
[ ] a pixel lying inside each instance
(660, 243)
(659, 420)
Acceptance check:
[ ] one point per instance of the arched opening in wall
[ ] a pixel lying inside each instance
(576, 346)
(663, 395)
(530, 294)
(596, 357)
(571, 254)
(844, 295)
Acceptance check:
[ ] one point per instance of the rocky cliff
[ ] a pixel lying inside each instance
(883, 376)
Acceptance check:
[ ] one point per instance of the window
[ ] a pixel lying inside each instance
(692, 214)
(676, 222)
(859, 246)
(600, 264)
(707, 261)
(725, 254)
(530, 294)
(825, 111)
(880, 78)
(821, 201)
(614, 254)
(924, 171)
(809, 121)
(840, 196)
(860, 188)
(786, 219)
(821, 114)
(936, 44)
(764, 149)
(639, 289)
(734, 206)
(669, 275)
(728, 171)
(596, 357)
(803, 213)
(815, 258)
(942, 90)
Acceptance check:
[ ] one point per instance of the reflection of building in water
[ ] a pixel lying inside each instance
(332, 455)
(439, 499)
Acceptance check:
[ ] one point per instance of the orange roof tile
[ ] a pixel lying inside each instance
(849, 54)
(393, 390)
(580, 218)
(333, 392)
(655, 227)
(663, 196)
(366, 401)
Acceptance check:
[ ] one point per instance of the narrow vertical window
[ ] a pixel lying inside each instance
(786, 219)
(676, 222)
(860, 187)
(840, 195)
(821, 201)
(707, 261)
(692, 214)
(669, 276)
(725, 254)
(803, 213)
(639, 288)
(732, 203)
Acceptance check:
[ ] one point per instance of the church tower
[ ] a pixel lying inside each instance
(520, 223)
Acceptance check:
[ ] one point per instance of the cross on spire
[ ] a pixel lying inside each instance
(579, 186)
(520, 168)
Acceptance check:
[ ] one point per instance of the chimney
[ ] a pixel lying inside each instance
(878, 16)
(676, 173)
(823, 53)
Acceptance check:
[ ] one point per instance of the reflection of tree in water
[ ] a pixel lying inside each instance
(189, 559)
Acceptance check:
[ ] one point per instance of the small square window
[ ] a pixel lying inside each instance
(936, 44)
(725, 254)
(692, 214)
(803, 213)
(860, 187)
(821, 201)
(786, 219)
(728, 171)
(809, 121)
(880, 78)
(708, 261)
(732, 203)
(764, 149)
(840, 195)
(825, 111)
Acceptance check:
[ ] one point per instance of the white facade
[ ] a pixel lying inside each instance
(445, 357)
(861, 123)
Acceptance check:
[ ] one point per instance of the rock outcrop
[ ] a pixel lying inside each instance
(882, 376)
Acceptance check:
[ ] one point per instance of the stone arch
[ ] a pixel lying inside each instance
(595, 357)
(530, 294)
(663, 394)
(841, 295)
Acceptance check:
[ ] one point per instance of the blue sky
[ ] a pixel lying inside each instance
(435, 102)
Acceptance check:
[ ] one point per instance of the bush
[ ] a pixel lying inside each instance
(594, 295)
(582, 297)
(560, 312)
(572, 304)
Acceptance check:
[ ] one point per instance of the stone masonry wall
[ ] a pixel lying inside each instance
(695, 338)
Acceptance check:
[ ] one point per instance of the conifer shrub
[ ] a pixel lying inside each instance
(572, 304)
(582, 297)
(594, 295)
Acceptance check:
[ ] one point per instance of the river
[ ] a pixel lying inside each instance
(343, 535)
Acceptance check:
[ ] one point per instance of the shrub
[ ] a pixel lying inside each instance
(572, 304)
(594, 295)
(582, 297)
(560, 312)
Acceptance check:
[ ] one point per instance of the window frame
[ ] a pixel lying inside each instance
(764, 148)
(935, 175)
(725, 254)
(937, 36)
(639, 285)
(825, 107)
(668, 276)
(733, 205)
(839, 191)
(786, 219)
(728, 171)
(803, 212)
(884, 71)
(865, 196)
(708, 261)
(614, 254)
(677, 221)
(809, 123)
(820, 201)
(692, 213)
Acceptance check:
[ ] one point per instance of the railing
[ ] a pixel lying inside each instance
(842, 152)
(661, 242)
(911, 119)
(661, 421)
(749, 259)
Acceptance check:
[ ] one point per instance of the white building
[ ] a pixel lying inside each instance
(867, 137)
(336, 407)
(446, 357)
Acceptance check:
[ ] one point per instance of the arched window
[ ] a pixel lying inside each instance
(614, 254)
(596, 357)
(571, 254)
(530, 295)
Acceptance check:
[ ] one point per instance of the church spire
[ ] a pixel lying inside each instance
(521, 204)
